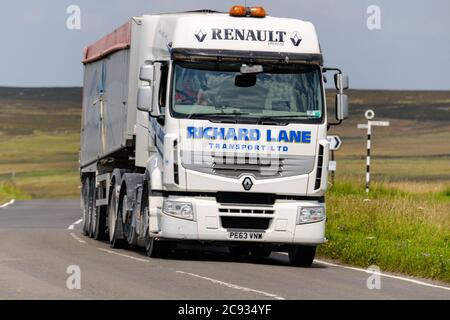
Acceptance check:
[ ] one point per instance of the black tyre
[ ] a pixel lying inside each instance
(86, 199)
(156, 248)
(129, 227)
(260, 252)
(153, 247)
(98, 225)
(302, 256)
(114, 223)
(92, 207)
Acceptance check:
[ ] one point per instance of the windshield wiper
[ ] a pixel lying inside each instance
(215, 114)
(288, 116)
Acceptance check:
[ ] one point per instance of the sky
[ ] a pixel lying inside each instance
(410, 51)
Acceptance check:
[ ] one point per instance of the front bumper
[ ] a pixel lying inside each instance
(208, 224)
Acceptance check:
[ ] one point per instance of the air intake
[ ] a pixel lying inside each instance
(176, 175)
(245, 223)
(319, 169)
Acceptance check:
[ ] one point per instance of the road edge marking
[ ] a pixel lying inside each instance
(73, 235)
(72, 226)
(426, 284)
(8, 203)
(232, 286)
(123, 255)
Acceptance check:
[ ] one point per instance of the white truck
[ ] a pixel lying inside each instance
(206, 127)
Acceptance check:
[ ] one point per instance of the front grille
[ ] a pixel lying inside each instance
(257, 166)
(245, 223)
(246, 211)
(236, 165)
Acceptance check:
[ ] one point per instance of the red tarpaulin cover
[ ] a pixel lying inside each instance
(117, 40)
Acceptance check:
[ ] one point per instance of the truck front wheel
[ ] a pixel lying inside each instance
(302, 256)
(156, 248)
(153, 247)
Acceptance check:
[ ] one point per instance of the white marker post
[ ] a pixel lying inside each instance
(335, 144)
(369, 116)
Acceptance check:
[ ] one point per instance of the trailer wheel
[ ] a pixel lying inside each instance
(86, 197)
(92, 207)
(98, 223)
(114, 223)
(302, 256)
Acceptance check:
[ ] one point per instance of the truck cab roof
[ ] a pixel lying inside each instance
(208, 30)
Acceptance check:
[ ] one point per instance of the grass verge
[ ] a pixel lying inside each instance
(396, 230)
(9, 191)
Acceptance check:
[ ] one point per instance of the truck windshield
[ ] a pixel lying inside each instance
(216, 91)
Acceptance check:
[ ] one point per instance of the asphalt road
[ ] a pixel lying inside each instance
(36, 248)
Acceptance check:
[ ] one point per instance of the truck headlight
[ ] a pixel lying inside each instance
(178, 209)
(310, 214)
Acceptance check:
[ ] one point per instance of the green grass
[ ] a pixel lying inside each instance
(51, 185)
(446, 192)
(39, 142)
(9, 191)
(397, 231)
(40, 148)
(41, 165)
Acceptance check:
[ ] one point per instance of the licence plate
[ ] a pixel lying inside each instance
(245, 235)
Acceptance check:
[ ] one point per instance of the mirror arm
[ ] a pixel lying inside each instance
(161, 119)
(334, 124)
(331, 69)
(339, 71)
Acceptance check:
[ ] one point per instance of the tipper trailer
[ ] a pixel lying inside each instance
(208, 127)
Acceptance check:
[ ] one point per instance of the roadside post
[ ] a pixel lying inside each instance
(370, 114)
(335, 144)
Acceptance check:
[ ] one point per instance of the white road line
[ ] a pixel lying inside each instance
(426, 284)
(233, 286)
(73, 235)
(72, 226)
(8, 203)
(385, 275)
(122, 255)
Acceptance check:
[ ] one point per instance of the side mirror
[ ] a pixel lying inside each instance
(145, 99)
(341, 106)
(145, 93)
(147, 73)
(341, 81)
